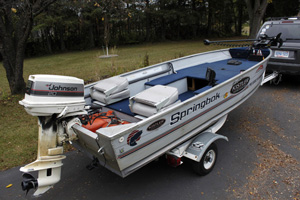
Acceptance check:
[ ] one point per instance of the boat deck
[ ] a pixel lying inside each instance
(224, 71)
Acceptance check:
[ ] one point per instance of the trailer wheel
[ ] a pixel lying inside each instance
(207, 161)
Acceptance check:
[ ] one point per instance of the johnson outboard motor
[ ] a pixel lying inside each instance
(57, 101)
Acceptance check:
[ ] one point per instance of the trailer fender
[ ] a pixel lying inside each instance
(198, 146)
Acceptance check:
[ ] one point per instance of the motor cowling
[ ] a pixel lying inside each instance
(52, 94)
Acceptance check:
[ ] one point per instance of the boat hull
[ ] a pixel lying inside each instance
(127, 148)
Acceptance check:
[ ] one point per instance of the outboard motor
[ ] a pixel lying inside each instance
(56, 101)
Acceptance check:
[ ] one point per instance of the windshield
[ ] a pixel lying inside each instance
(289, 31)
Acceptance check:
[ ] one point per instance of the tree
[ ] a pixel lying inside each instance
(256, 10)
(16, 22)
(239, 18)
(111, 9)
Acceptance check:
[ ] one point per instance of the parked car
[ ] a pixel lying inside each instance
(284, 59)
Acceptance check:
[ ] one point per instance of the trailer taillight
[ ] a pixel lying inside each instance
(173, 161)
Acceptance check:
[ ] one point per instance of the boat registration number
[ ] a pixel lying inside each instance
(281, 54)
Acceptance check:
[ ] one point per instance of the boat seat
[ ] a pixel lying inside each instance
(110, 90)
(152, 100)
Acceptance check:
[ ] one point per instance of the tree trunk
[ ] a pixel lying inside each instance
(178, 27)
(106, 30)
(48, 40)
(16, 21)
(148, 26)
(209, 22)
(228, 21)
(163, 28)
(14, 71)
(91, 42)
(162, 21)
(61, 39)
(256, 10)
(240, 18)
(12, 66)
(13, 50)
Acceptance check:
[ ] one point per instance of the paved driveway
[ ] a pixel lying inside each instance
(260, 161)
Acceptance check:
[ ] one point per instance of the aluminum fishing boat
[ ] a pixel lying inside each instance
(124, 122)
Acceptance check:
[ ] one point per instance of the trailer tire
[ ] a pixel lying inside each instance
(207, 161)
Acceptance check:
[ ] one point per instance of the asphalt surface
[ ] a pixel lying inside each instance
(260, 161)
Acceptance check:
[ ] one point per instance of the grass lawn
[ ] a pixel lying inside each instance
(18, 130)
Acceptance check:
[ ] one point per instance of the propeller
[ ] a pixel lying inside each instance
(28, 183)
